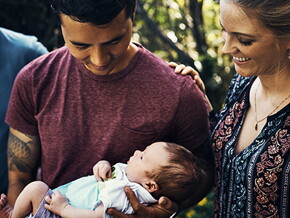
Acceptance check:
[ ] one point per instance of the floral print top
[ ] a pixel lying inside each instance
(254, 182)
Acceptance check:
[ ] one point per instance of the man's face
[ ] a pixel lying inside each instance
(103, 49)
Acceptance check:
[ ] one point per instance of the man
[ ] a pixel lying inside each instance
(16, 50)
(100, 97)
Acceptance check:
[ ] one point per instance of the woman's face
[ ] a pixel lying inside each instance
(253, 46)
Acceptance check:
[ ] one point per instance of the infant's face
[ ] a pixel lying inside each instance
(148, 160)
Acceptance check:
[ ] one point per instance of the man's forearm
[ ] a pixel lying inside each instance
(23, 155)
(17, 182)
(13, 192)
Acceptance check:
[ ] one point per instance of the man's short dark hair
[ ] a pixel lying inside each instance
(97, 12)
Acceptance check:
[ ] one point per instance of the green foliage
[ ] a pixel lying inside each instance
(32, 17)
(204, 209)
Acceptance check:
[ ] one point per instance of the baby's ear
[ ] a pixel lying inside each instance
(151, 186)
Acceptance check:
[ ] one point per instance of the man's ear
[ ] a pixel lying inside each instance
(288, 46)
(151, 186)
(135, 10)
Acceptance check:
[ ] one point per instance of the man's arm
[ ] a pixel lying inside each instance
(23, 158)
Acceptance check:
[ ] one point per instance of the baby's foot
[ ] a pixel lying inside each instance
(5, 208)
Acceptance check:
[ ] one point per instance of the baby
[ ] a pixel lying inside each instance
(162, 169)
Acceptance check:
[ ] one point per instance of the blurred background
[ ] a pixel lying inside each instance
(183, 31)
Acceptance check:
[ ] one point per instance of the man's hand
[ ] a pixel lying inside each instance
(102, 170)
(163, 209)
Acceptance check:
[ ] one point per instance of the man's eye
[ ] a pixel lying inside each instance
(81, 47)
(115, 42)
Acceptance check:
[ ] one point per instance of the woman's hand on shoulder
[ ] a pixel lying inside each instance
(163, 209)
(187, 70)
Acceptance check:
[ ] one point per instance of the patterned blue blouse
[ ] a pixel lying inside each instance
(254, 182)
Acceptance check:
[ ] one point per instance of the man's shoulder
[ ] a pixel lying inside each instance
(45, 64)
(52, 58)
(57, 53)
(158, 69)
(147, 58)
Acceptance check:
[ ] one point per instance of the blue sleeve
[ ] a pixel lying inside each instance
(16, 50)
(236, 87)
(33, 49)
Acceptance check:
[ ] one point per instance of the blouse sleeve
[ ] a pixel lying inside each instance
(236, 87)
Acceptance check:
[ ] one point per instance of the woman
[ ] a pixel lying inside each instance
(252, 136)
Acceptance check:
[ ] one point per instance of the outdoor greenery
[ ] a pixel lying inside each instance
(184, 31)
(204, 209)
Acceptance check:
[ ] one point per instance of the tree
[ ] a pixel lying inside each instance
(32, 17)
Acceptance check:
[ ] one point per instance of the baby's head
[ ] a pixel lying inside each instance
(166, 169)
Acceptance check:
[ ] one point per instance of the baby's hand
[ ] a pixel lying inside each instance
(102, 170)
(56, 203)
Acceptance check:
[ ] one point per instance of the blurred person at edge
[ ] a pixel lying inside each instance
(16, 50)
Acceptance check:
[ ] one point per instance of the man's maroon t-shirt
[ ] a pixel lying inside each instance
(82, 118)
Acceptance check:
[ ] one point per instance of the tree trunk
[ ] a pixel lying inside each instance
(195, 10)
(183, 57)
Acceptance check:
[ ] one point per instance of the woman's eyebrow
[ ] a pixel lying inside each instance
(238, 33)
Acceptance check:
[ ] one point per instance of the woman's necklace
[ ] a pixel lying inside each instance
(258, 121)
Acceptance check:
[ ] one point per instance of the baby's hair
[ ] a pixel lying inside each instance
(181, 176)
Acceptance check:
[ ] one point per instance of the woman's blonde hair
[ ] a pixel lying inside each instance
(273, 14)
